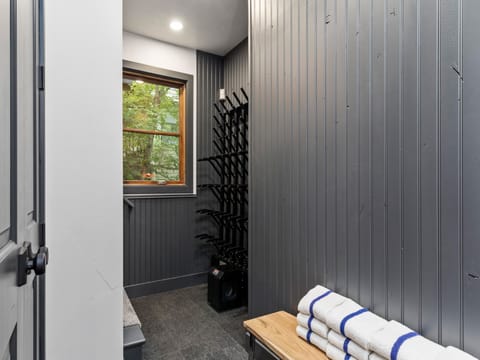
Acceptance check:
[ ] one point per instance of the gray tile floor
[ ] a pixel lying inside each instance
(180, 325)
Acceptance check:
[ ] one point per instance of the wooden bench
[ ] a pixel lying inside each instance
(274, 336)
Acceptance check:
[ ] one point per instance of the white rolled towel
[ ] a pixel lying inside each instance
(312, 338)
(355, 322)
(310, 323)
(319, 301)
(374, 356)
(348, 346)
(335, 353)
(452, 353)
(397, 342)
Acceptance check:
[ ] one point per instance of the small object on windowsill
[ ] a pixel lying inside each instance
(148, 176)
(162, 182)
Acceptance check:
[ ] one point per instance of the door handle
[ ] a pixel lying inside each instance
(29, 261)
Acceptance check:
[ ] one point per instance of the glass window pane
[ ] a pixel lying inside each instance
(149, 106)
(150, 157)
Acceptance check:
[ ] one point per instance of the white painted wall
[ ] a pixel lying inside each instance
(84, 179)
(155, 53)
(159, 54)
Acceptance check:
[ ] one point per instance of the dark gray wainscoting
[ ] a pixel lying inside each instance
(160, 251)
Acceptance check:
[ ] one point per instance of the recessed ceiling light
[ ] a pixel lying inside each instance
(176, 25)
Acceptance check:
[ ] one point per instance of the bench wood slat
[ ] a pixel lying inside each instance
(277, 332)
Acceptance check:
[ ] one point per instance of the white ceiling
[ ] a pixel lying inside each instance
(214, 26)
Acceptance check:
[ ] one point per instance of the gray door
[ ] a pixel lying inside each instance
(20, 185)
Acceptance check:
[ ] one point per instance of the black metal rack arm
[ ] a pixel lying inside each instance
(229, 214)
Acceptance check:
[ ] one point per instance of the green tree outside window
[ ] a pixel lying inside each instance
(151, 137)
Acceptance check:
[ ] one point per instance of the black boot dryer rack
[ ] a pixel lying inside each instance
(227, 283)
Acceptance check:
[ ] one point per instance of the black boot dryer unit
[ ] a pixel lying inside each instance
(227, 278)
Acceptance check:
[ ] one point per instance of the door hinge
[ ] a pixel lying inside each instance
(41, 77)
(41, 234)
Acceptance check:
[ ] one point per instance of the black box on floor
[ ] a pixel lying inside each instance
(226, 287)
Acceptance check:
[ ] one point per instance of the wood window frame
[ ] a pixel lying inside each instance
(183, 82)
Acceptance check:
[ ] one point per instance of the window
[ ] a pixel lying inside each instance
(157, 127)
(153, 136)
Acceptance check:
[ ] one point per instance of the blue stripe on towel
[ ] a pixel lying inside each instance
(309, 334)
(310, 322)
(399, 343)
(345, 345)
(347, 357)
(317, 299)
(348, 317)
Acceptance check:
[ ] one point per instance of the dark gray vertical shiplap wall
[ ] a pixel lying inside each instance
(469, 129)
(210, 69)
(236, 69)
(365, 166)
(159, 241)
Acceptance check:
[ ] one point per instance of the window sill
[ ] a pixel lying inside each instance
(151, 183)
(160, 196)
(155, 190)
